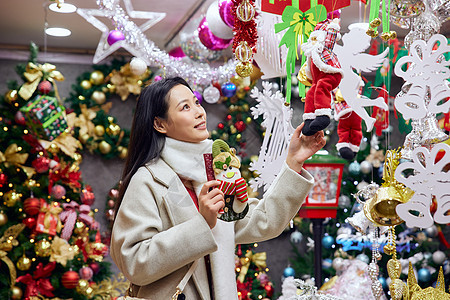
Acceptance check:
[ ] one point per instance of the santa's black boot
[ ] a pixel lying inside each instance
(306, 130)
(347, 153)
(319, 123)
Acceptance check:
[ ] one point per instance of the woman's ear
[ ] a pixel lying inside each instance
(160, 125)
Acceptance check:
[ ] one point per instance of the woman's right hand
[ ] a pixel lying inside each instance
(210, 202)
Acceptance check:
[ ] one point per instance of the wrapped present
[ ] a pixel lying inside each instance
(48, 220)
(45, 116)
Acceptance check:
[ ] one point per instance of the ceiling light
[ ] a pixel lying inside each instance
(58, 31)
(65, 8)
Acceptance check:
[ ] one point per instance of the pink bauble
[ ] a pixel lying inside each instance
(157, 78)
(114, 193)
(225, 12)
(44, 87)
(209, 40)
(58, 191)
(177, 53)
(86, 273)
(115, 36)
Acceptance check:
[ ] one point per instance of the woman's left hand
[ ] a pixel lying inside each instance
(303, 147)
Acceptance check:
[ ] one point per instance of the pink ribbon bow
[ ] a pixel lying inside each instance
(69, 217)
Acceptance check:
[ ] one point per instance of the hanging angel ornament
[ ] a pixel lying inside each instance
(351, 109)
(277, 121)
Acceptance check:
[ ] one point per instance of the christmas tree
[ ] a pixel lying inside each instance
(50, 243)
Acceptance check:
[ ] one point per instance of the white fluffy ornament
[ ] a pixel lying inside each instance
(296, 237)
(138, 66)
(366, 167)
(211, 94)
(439, 257)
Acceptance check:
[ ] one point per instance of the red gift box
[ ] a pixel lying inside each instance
(48, 220)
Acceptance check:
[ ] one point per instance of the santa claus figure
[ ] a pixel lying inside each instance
(324, 72)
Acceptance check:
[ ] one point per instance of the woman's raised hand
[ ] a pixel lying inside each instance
(210, 201)
(303, 147)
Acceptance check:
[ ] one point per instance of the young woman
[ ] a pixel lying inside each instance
(166, 233)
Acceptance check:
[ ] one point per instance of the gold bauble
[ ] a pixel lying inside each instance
(11, 198)
(30, 183)
(224, 136)
(110, 119)
(233, 129)
(82, 286)
(43, 248)
(81, 98)
(244, 69)
(23, 263)
(375, 22)
(104, 147)
(3, 218)
(96, 77)
(245, 107)
(83, 138)
(248, 120)
(389, 249)
(113, 129)
(123, 153)
(385, 36)
(99, 130)
(240, 93)
(79, 227)
(86, 84)
(238, 137)
(16, 293)
(11, 96)
(98, 97)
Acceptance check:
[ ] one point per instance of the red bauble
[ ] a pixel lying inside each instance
(240, 126)
(70, 279)
(41, 164)
(221, 126)
(29, 222)
(44, 87)
(269, 290)
(31, 206)
(87, 197)
(111, 203)
(58, 191)
(3, 179)
(229, 117)
(19, 118)
(86, 273)
(95, 267)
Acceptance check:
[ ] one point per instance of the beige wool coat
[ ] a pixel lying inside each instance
(158, 231)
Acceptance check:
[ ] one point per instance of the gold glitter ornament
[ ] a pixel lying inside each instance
(113, 129)
(23, 263)
(82, 286)
(397, 288)
(11, 198)
(43, 248)
(244, 69)
(11, 96)
(30, 183)
(79, 227)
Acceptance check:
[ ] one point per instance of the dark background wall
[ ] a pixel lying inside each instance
(103, 174)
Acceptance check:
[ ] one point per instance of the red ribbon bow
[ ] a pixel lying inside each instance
(38, 284)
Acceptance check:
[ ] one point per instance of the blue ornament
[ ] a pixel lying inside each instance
(327, 241)
(229, 89)
(327, 263)
(383, 282)
(380, 171)
(354, 168)
(288, 272)
(424, 275)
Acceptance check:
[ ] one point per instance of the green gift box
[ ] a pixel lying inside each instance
(45, 116)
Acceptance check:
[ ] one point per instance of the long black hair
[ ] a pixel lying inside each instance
(146, 143)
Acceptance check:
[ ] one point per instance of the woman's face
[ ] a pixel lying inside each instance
(186, 118)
